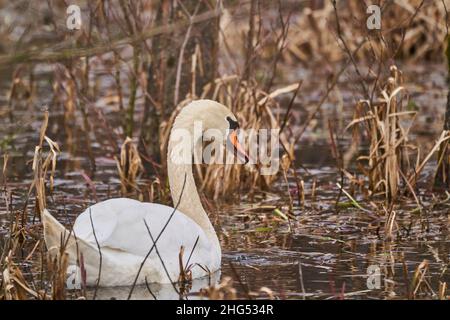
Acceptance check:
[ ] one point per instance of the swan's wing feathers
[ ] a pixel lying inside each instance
(119, 224)
(105, 217)
(125, 240)
(131, 233)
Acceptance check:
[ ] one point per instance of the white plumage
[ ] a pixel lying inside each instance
(125, 241)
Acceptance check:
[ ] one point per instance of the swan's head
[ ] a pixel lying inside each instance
(213, 117)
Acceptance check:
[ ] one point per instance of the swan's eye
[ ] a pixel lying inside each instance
(233, 124)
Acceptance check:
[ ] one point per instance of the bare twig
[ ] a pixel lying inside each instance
(300, 275)
(181, 55)
(288, 110)
(160, 258)
(348, 51)
(321, 102)
(149, 289)
(157, 238)
(192, 251)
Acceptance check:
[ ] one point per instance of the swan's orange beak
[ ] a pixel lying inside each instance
(237, 146)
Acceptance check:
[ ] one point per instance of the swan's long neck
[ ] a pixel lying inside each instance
(187, 198)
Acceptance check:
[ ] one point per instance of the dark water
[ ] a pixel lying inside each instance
(321, 252)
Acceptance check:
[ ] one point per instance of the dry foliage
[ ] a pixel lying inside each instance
(393, 163)
(388, 157)
(129, 166)
(411, 33)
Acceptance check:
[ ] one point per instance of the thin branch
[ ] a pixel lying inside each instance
(157, 238)
(160, 258)
(181, 55)
(300, 275)
(100, 253)
(149, 289)
(291, 103)
(192, 251)
(446, 18)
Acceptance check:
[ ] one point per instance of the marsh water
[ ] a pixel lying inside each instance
(322, 251)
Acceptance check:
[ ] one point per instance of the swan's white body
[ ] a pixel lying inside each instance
(123, 237)
(125, 241)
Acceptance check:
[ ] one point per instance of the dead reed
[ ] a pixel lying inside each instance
(387, 136)
(129, 166)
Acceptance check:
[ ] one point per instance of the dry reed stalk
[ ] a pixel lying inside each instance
(129, 166)
(156, 191)
(390, 224)
(130, 15)
(419, 281)
(57, 269)
(14, 286)
(384, 123)
(442, 176)
(42, 165)
(443, 138)
(442, 290)
(184, 276)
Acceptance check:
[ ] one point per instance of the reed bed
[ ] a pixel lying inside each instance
(394, 162)
(388, 156)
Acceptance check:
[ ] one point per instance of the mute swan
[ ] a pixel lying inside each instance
(117, 227)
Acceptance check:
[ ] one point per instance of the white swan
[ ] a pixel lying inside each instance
(122, 235)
